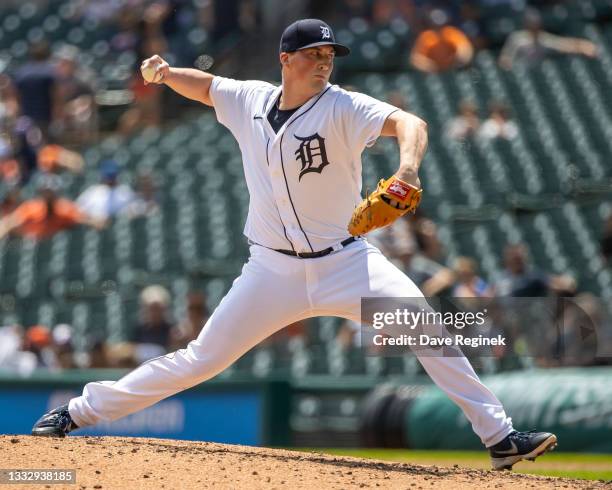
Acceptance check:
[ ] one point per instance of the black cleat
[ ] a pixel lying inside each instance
(56, 423)
(521, 445)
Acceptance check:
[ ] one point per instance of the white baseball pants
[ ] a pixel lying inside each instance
(273, 291)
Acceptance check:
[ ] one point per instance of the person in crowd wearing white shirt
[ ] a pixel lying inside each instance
(498, 125)
(108, 198)
(465, 124)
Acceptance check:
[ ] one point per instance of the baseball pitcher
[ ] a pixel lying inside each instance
(301, 145)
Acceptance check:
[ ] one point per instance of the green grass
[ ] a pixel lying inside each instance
(568, 465)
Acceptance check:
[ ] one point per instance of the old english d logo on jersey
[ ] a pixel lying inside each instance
(311, 154)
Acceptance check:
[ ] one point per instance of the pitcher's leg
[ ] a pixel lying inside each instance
(260, 302)
(456, 377)
(362, 271)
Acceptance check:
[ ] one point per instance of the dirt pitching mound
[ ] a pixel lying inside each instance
(134, 463)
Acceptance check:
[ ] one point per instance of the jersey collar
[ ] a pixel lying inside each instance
(272, 100)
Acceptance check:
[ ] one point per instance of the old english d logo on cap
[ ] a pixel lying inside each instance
(308, 33)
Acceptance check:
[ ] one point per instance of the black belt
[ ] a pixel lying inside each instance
(314, 255)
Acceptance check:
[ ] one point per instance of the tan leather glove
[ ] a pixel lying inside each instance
(392, 198)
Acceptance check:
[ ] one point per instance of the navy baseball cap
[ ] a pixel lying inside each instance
(308, 33)
(109, 169)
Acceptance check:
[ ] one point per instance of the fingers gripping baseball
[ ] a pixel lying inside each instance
(154, 69)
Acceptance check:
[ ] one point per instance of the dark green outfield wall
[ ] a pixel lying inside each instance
(575, 404)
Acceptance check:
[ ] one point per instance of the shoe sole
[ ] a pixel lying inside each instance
(506, 463)
(48, 432)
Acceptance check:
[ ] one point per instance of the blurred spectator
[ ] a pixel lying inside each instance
(127, 36)
(45, 215)
(428, 241)
(430, 259)
(108, 198)
(13, 356)
(39, 341)
(441, 47)
(469, 284)
(145, 110)
(119, 355)
(498, 125)
(414, 247)
(9, 105)
(35, 155)
(11, 339)
(472, 23)
(10, 170)
(520, 280)
(606, 240)
(11, 199)
(149, 40)
(95, 357)
(349, 335)
(152, 333)
(531, 45)
(27, 140)
(62, 346)
(146, 198)
(506, 319)
(395, 240)
(466, 124)
(77, 112)
(36, 85)
(399, 244)
(54, 158)
(189, 328)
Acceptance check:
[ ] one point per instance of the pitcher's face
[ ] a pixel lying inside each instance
(310, 65)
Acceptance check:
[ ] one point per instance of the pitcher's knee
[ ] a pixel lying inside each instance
(206, 362)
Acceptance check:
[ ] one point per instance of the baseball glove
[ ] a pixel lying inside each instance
(392, 198)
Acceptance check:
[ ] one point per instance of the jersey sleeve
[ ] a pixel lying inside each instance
(232, 100)
(362, 119)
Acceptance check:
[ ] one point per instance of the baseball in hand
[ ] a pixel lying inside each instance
(150, 74)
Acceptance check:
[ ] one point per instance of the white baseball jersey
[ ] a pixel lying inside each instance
(297, 178)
